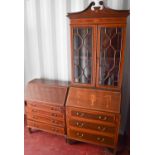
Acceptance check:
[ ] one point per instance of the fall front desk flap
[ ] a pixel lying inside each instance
(49, 91)
(94, 99)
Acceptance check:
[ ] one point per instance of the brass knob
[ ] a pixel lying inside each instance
(34, 110)
(100, 117)
(35, 117)
(105, 118)
(102, 140)
(99, 127)
(77, 113)
(81, 124)
(104, 129)
(77, 123)
(98, 138)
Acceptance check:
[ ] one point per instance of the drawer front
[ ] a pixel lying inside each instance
(92, 138)
(44, 119)
(93, 126)
(45, 107)
(38, 111)
(104, 117)
(45, 127)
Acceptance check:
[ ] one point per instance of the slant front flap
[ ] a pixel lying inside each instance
(46, 91)
(94, 99)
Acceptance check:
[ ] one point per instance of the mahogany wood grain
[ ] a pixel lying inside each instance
(45, 105)
(46, 91)
(45, 127)
(94, 99)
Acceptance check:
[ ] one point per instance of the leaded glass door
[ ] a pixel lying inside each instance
(110, 41)
(83, 55)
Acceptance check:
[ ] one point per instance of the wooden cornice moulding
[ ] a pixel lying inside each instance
(99, 11)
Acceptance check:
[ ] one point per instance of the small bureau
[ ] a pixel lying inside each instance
(45, 105)
(88, 119)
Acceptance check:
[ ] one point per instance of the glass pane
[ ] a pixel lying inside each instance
(82, 45)
(110, 53)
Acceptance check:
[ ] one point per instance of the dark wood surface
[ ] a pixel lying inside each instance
(95, 99)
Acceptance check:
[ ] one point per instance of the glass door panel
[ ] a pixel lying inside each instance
(82, 55)
(109, 56)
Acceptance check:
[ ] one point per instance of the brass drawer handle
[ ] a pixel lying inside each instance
(35, 117)
(34, 110)
(105, 118)
(54, 115)
(80, 114)
(80, 135)
(100, 139)
(103, 129)
(34, 105)
(80, 125)
(77, 113)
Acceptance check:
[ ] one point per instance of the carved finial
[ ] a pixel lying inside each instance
(97, 3)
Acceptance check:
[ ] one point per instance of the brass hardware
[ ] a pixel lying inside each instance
(35, 117)
(99, 127)
(34, 110)
(99, 139)
(105, 118)
(100, 117)
(103, 129)
(78, 134)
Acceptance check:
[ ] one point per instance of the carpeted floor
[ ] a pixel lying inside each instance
(42, 143)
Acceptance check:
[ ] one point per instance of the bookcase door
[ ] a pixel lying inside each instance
(110, 56)
(83, 45)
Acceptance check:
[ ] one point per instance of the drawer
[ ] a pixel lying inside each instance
(92, 138)
(46, 107)
(38, 111)
(44, 119)
(92, 115)
(93, 126)
(45, 127)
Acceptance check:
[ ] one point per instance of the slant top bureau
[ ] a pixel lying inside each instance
(45, 105)
(98, 38)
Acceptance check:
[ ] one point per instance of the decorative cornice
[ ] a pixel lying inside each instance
(98, 10)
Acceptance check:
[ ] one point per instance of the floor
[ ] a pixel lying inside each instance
(42, 143)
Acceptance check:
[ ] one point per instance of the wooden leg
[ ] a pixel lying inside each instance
(29, 129)
(115, 151)
(69, 141)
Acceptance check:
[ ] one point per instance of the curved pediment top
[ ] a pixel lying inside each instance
(98, 11)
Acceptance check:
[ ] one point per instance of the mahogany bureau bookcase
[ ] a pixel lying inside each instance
(98, 36)
(45, 105)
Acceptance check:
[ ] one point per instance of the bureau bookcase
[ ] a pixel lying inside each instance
(98, 36)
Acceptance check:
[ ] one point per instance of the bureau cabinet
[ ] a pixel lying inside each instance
(98, 38)
(45, 105)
